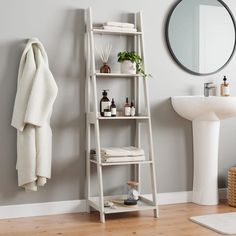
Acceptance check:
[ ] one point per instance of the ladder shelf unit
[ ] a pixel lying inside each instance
(93, 118)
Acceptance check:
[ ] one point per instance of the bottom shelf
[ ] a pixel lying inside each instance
(144, 203)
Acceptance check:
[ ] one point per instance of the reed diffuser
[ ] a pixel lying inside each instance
(104, 55)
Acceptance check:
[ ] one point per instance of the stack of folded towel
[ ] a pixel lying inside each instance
(123, 154)
(119, 26)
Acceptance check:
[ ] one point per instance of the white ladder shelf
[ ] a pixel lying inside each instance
(93, 118)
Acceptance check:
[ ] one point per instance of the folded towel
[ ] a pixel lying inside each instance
(114, 28)
(123, 159)
(130, 151)
(118, 159)
(119, 24)
(36, 93)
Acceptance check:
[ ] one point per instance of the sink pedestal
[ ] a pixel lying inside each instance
(205, 146)
(206, 114)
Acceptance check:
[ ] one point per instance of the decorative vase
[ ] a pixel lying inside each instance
(105, 68)
(128, 67)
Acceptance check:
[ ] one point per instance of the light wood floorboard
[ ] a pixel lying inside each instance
(174, 220)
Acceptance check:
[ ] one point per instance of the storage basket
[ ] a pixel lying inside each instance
(232, 186)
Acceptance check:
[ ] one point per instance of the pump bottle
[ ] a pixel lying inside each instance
(104, 102)
(224, 88)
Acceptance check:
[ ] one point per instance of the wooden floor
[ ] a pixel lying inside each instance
(174, 220)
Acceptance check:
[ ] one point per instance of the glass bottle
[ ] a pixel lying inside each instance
(113, 107)
(127, 107)
(132, 109)
(133, 193)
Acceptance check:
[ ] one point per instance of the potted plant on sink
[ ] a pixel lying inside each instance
(131, 63)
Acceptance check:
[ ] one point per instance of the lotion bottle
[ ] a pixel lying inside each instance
(224, 88)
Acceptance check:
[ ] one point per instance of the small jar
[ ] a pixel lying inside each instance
(107, 112)
(105, 68)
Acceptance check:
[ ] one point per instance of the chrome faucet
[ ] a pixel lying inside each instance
(207, 88)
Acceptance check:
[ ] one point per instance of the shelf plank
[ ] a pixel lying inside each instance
(141, 206)
(114, 32)
(117, 75)
(92, 117)
(121, 163)
(124, 118)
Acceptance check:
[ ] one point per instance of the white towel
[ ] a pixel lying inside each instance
(122, 152)
(119, 24)
(36, 93)
(122, 29)
(123, 159)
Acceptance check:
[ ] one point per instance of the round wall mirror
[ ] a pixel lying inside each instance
(200, 35)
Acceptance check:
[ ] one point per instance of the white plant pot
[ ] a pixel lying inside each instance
(128, 67)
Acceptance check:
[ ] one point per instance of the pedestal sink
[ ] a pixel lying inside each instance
(205, 114)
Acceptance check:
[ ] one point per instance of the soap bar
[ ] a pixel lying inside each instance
(130, 202)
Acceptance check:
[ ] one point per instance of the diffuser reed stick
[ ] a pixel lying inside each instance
(104, 54)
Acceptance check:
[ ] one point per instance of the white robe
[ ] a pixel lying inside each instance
(36, 93)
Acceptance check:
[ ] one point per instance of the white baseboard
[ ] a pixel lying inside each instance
(174, 197)
(73, 206)
(39, 209)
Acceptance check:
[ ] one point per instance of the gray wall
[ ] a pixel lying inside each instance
(60, 26)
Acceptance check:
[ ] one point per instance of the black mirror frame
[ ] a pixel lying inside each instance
(172, 53)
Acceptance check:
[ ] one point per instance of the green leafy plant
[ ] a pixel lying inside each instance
(133, 57)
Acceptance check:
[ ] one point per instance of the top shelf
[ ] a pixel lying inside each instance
(114, 32)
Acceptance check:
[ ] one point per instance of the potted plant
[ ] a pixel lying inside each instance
(131, 63)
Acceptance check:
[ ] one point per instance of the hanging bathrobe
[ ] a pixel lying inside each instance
(36, 93)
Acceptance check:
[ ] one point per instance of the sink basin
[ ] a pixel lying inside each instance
(205, 114)
(204, 108)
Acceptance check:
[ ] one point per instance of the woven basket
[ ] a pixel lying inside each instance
(232, 186)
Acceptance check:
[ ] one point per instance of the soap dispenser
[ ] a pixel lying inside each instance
(104, 102)
(224, 88)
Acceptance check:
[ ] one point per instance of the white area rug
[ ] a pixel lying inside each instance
(224, 223)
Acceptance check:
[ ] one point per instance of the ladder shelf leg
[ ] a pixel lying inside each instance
(99, 172)
(147, 105)
(88, 170)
